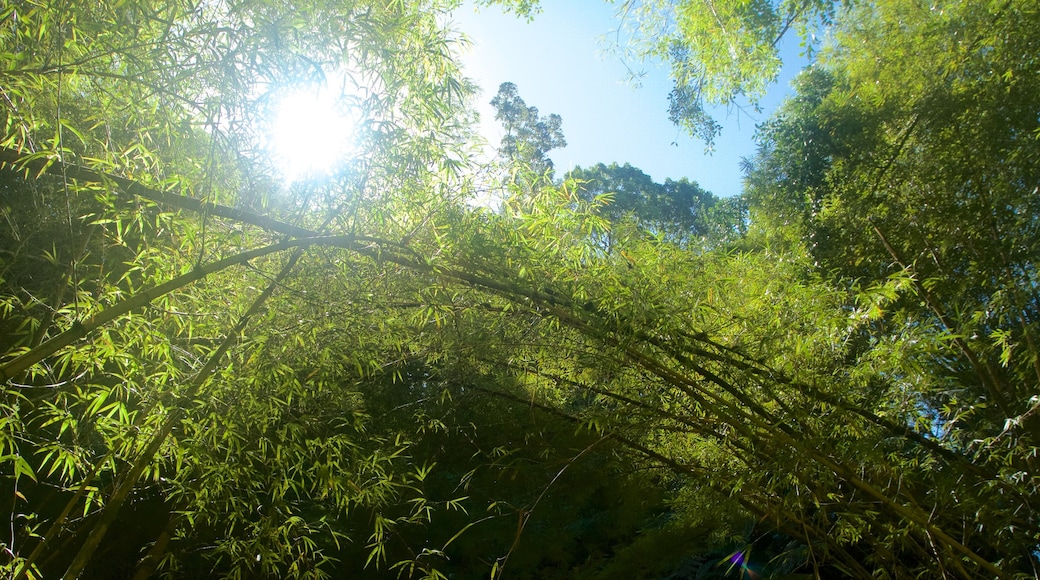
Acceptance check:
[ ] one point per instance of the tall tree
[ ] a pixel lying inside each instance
(528, 136)
(679, 211)
(871, 159)
(906, 166)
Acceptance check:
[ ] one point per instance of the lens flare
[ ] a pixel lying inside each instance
(312, 131)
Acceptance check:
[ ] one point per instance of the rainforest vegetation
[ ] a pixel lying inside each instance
(210, 371)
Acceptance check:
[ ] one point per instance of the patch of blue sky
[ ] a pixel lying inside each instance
(560, 64)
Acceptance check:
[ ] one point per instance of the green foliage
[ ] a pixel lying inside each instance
(914, 177)
(678, 211)
(138, 315)
(908, 164)
(210, 373)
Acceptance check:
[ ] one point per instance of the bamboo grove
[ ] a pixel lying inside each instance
(210, 372)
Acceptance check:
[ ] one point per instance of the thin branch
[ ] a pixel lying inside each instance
(134, 188)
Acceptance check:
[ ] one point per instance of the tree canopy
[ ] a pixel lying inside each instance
(209, 371)
(528, 136)
(679, 211)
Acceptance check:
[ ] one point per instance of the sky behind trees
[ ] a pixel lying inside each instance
(561, 64)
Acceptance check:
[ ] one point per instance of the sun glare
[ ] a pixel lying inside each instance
(312, 131)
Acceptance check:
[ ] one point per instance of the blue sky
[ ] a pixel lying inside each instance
(559, 64)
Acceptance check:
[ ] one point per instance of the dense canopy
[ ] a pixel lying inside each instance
(210, 370)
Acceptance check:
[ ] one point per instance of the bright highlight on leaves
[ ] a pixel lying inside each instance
(312, 131)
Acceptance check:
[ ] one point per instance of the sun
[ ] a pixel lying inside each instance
(312, 131)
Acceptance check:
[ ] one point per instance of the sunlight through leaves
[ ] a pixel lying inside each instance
(312, 131)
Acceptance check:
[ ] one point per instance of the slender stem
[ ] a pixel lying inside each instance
(139, 300)
(986, 374)
(129, 480)
(133, 188)
(56, 526)
(146, 567)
